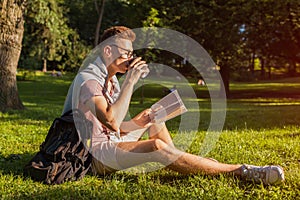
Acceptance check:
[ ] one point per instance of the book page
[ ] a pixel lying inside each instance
(168, 107)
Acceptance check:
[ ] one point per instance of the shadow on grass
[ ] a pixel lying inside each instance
(14, 163)
(32, 114)
(43, 99)
(112, 186)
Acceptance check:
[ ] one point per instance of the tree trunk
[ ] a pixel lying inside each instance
(269, 70)
(252, 62)
(224, 86)
(11, 35)
(100, 11)
(292, 68)
(44, 65)
(262, 70)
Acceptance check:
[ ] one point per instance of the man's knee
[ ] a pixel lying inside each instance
(157, 128)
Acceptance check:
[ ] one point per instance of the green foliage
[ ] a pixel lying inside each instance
(235, 32)
(152, 19)
(271, 30)
(231, 31)
(257, 131)
(83, 16)
(48, 38)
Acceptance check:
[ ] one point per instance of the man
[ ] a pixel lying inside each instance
(116, 144)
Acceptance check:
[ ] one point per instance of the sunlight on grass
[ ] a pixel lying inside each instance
(278, 104)
(257, 131)
(28, 104)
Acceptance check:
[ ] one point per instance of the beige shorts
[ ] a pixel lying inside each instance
(106, 155)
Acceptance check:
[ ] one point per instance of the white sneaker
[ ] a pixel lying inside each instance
(270, 175)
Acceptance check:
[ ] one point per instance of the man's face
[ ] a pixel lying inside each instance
(122, 51)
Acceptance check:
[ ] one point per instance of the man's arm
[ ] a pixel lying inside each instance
(142, 120)
(113, 115)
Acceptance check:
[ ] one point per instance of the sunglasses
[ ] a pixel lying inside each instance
(127, 55)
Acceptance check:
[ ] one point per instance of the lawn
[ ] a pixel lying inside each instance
(262, 127)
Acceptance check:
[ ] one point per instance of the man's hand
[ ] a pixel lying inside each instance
(135, 70)
(140, 121)
(143, 119)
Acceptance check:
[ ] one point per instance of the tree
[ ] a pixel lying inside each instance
(100, 11)
(272, 33)
(49, 39)
(11, 34)
(236, 32)
(91, 17)
(214, 24)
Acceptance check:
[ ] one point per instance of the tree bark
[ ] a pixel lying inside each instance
(11, 35)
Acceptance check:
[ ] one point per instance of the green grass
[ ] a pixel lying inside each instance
(259, 129)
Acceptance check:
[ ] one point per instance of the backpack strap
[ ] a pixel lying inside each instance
(69, 112)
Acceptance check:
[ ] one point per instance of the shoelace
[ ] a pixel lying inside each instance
(257, 174)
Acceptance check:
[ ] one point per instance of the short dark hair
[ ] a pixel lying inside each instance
(118, 31)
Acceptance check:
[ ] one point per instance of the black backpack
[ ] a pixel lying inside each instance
(64, 155)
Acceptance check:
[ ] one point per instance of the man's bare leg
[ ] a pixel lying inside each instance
(156, 150)
(160, 148)
(192, 164)
(160, 131)
(189, 163)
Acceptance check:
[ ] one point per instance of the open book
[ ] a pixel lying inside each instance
(168, 107)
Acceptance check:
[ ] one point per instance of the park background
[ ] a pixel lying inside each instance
(255, 45)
